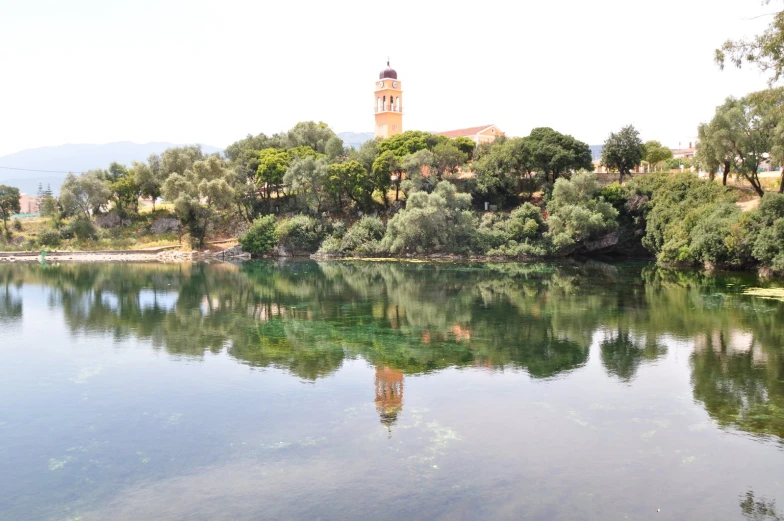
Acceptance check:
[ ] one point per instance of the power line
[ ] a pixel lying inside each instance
(34, 170)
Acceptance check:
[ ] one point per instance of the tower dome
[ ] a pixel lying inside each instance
(389, 72)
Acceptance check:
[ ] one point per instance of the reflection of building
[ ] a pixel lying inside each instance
(389, 104)
(389, 395)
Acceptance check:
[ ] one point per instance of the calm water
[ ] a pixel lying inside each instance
(388, 391)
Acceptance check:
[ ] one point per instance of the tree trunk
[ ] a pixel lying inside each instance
(781, 185)
(754, 181)
(725, 173)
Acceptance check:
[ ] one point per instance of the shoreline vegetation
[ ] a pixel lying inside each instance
(414, 195)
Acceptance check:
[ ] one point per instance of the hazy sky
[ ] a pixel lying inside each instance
(96, 71)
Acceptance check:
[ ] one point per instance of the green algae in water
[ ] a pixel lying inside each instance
(766, 293)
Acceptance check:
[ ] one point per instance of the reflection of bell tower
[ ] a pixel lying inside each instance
(389, 104)
(389, 395)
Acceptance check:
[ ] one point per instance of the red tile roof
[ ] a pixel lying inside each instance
(467, 132)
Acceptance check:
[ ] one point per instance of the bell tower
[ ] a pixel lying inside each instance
(388, 104)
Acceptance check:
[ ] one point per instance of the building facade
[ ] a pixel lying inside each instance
(479, 135)
(388, 104)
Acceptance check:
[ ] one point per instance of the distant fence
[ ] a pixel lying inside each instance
(25, 215)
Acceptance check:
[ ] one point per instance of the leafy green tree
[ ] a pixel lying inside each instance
(251, 143)
(9, 205)
(308, 178)
(623, 151)
(408, 142)
(655, 153)
(384, 168)
(716, 146)
(178, 159)
(769, 107)
(764, 50)
(417, 167)
(504, 170)
(366, 154)
(707, 156)
(309, 134)
(125, 190)
(199, 193)
(149, 184)
(334, 148)
(273, 164)
(85, 193)
(48, 207)
(466, 146)
(350, 179)
(554, 154)
(447, 159)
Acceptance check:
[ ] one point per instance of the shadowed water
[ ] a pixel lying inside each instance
(380, 390)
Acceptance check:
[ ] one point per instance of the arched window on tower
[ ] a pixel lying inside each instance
(397, 104)
(391, 103)
(378, 104)
(384, 105)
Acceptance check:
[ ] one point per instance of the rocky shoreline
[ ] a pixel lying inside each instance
(167, 254)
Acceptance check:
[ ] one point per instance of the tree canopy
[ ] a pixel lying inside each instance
(9, 204)
(623, 151)
(655, 154)
(765, 51)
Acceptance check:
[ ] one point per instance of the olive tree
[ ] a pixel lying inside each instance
(199, 193)
(85, 193)
(9, 204)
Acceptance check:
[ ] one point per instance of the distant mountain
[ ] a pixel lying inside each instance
(355, 139)
(596, 152)
(53, 163)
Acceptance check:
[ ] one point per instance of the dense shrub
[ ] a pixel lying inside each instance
(17, 225)
(363, 238)
(302, 233)
(765, 232)
(49, 238)
(514, 234)
(578, 212)
(83, 229)
(436, 222)
(261, 237)
(710, 239)
(677, 204)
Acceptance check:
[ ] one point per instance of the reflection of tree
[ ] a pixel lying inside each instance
(307, 318)
(10, 300)
(759, 509)
(740, 383)
(623, 352)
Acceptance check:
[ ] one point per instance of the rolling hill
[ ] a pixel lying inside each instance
(49, 165)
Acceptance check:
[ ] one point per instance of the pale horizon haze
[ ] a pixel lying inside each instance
(90, 71)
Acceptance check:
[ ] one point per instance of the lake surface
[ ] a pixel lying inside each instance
(388, 391)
